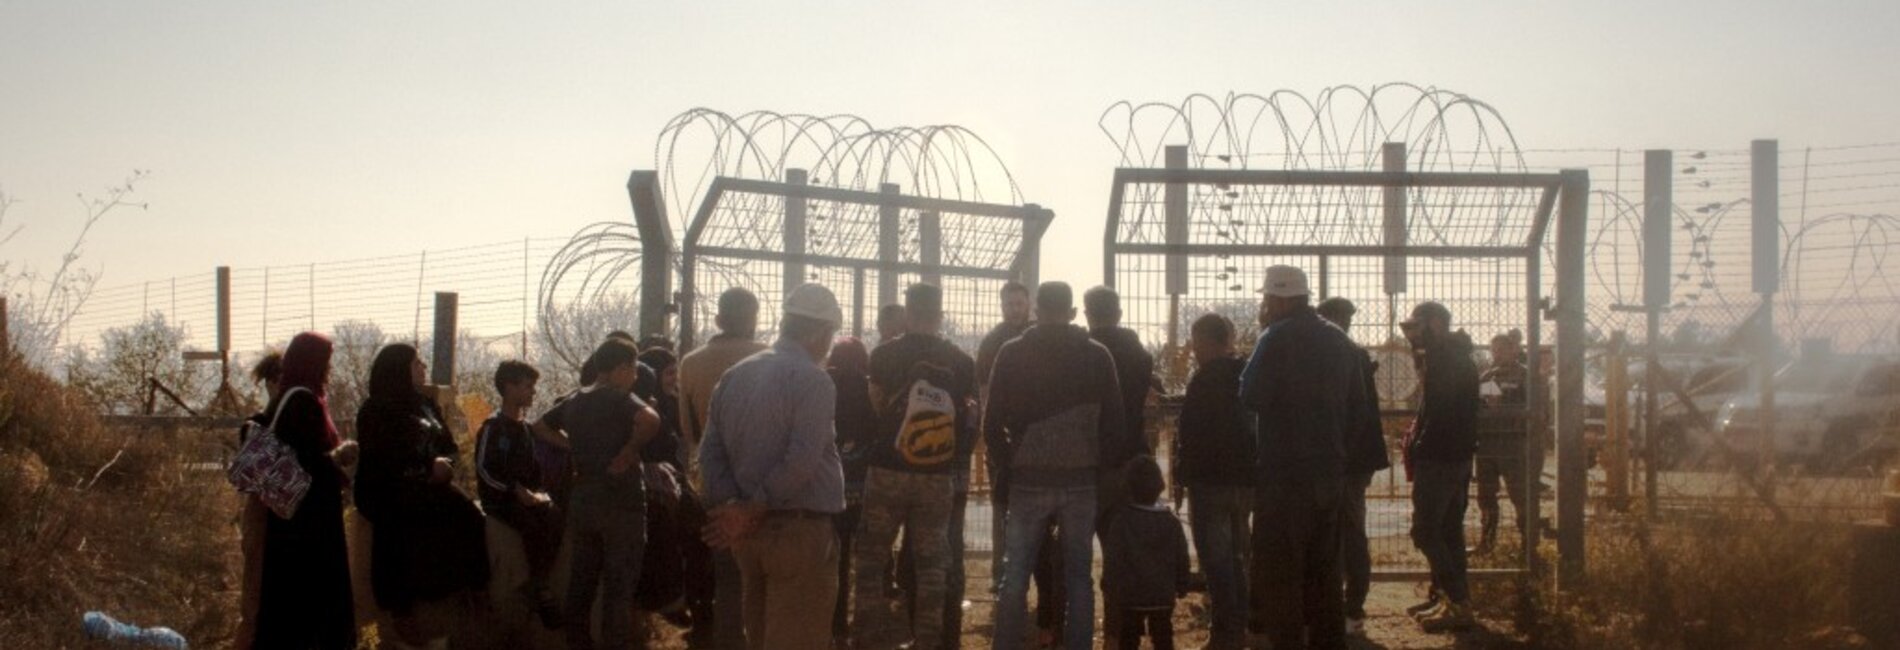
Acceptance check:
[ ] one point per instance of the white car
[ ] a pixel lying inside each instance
(1829, 411)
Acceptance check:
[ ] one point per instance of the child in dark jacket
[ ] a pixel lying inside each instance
(1146, 563)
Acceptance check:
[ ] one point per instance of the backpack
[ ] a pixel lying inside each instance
(927, 434)
(268, 468)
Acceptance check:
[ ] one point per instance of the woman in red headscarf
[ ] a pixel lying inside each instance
(301, 579)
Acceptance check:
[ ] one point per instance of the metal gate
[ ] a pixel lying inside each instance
(1183, 240)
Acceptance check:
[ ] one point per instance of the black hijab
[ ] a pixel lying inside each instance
(389, 378)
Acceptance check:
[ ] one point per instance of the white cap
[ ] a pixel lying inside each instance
(1286, 282)
(814, 301)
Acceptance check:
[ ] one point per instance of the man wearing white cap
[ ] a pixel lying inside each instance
(1306, 382)
(771, 463)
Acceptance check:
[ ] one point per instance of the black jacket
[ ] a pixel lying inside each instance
(1134, 369)
(1365, 448)
(1216, 434)
(1448, 417)
(856, 422)
(1145, 558)
(895, 366)
(400, 442)
(504, 460)
(1054, 413)
(993, 343)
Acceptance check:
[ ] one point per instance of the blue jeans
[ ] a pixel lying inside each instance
(608, 523)
(1031, 510)
(1439, 499)
(1218, 515)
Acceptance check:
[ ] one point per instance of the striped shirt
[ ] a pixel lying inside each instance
(770, 437)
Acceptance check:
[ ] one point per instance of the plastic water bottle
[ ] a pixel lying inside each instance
(105, 628)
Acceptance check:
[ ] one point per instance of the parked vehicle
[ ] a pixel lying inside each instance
(1685, 429)
(1830, 412)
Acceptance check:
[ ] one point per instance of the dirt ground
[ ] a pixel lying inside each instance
(1387, 626)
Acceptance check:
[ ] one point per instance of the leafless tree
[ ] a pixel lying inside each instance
(42, 304)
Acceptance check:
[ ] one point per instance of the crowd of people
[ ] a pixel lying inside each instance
(812, 493)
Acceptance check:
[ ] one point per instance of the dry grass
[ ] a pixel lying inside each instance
(1712, 582)
(93, 518)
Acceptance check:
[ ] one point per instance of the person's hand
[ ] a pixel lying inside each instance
(442, 471)
(625, 460)
(731, 523)
(530, 498)
(346, 454)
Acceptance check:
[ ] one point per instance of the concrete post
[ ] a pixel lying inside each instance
(656, 251)
(442, 368)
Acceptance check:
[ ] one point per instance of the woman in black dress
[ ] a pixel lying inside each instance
(429, 540)
(303, 590)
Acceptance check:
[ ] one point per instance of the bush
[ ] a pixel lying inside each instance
(102, 518)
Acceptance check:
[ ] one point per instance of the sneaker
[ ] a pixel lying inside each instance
(1431, 603)
(1356, 626)
(1453, 617)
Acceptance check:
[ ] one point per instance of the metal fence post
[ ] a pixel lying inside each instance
(6, 337)
(1029, 267)
(930, 246)
(794, 231)
(224, 327)
(442, 371)
(1765, 209)
(1658, 203)
(887, 214)
(1175, 222)
(1395, 232)
(1573, 484)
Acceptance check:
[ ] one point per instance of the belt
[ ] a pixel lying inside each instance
(798, 513)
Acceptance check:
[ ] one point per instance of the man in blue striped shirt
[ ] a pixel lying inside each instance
(770, 462)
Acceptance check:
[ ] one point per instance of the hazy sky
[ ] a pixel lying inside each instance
(298, 132)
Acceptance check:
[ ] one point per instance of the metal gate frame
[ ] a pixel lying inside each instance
(1565, 192)
(886, 262)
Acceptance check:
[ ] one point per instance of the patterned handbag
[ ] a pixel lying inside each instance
(268, 468)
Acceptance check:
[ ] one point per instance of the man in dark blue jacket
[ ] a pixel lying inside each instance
(1306, 383)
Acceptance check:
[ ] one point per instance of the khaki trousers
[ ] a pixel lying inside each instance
(790, 569)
